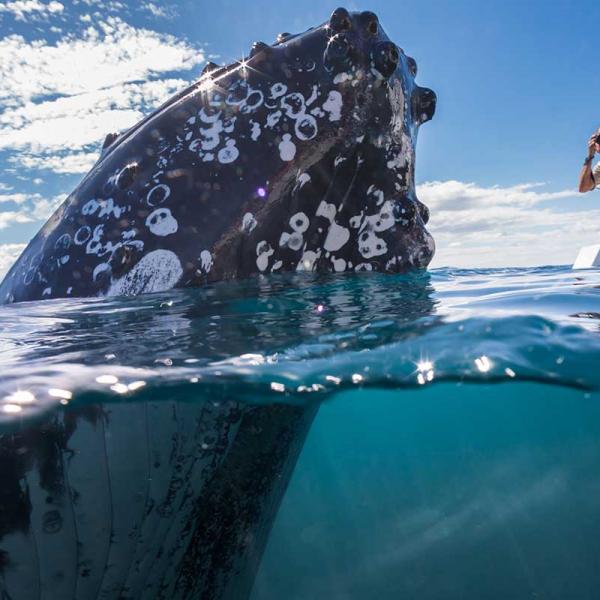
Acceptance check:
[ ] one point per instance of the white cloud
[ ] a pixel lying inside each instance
(31, 207)
(80, 162)
(60, 109)
(16, 198)
(73, 122)
(11, 217)
(456, 195)
(109, 54)
(475, 226)
(111, 5)
(160, 12)
(23, 9)
(8, 254)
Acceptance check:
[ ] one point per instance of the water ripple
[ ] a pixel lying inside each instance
(295, 338)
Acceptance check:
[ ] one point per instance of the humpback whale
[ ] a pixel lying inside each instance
(299, 157)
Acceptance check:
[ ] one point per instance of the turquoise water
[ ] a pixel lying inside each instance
(455, 451)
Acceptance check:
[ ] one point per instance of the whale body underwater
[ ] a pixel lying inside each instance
(300, 157)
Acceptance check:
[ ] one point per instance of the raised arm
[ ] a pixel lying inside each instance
(586, 178)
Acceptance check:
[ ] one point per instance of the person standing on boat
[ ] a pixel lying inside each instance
(589, 178)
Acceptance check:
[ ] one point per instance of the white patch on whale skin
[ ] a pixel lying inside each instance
(94, 246)
(306, 263)
(255, 133)
(341, 77)
(373, 191)
(363, 267)
(64, 241)
(211, 137)
(278, 89)
(306, 127)
(196, 146)
(313, 96)
(263, 252)
(228, 154)
(356, 221)
(108, 208)
(101, 268)
(396, 96)
(206, 261)
(339, 264)
(391, 263)
(326, 210)
(158, 271)
(229, 125)
(370, 245)
(399, 160)
(333, 105)
(337, 236)
(216, 100)
(208, 118)
(273, 119)
(82, 235)
(299, 222)
(382, 221)
(287, 148)
(249, 107)
(294, 105)
(248, 222)
(158, 194)
(303, 179)
(293, 241)
(431, 244)
(161, 222)
(90, 207)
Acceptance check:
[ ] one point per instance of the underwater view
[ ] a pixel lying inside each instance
(429, 435)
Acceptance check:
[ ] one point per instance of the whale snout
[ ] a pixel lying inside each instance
(423, 212)
(424, 102)
(423, 250)
(410, 244)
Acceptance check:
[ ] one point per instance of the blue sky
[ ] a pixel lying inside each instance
(517, 82)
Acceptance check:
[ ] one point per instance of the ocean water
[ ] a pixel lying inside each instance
(431, 435)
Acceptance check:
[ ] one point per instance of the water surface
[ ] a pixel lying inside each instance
(454, 452)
